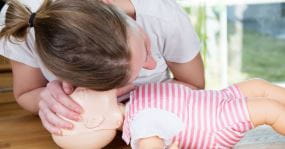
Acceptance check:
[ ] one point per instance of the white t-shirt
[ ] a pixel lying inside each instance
(169, 28)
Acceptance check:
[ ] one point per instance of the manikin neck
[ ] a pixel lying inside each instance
(112, 100)
(122, 110)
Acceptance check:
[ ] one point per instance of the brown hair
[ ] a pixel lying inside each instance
(81, 41)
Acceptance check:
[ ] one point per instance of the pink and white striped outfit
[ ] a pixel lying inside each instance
(211, 119)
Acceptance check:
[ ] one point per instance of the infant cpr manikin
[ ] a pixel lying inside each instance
(98, 123)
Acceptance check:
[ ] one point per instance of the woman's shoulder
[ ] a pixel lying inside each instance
(165, 10)
(13, 49)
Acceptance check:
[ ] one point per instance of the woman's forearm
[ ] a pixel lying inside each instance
(191, 73)
(30, 100)
(27, 91)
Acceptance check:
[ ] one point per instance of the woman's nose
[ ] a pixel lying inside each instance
(150, 63)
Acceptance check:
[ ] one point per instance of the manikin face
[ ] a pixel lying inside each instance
(140, 47)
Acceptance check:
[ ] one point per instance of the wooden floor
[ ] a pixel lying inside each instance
(20, 129)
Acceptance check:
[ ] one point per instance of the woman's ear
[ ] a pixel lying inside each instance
(150, 63)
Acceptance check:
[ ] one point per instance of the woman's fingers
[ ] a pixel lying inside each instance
(50, 128)
(53, 105)
(125, 89)
(67, 88)
(59, 95)
(52, 118)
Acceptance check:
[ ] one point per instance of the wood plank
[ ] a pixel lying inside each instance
(6, 80)
(21, 130)
(4, 64)
(5, 67)
(6, 95)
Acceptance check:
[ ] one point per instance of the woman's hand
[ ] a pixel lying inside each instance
(123, 92)
(55, 101)
(125, 89)
(179, 82)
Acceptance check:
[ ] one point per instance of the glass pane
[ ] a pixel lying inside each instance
(256, 41)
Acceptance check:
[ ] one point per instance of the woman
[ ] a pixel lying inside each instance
(162, 38)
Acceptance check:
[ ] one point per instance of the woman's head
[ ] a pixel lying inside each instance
(85, 42)
(140, 47)
(81, 41)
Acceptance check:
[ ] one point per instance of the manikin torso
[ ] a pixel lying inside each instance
(193, 118)
(102, 114)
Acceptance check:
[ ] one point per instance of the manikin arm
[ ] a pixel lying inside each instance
(266, 103)
(264, 111)
(151, 142)
(154, 143)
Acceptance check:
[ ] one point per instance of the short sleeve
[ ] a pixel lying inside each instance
(18, 51)
(181, 41)
(151, 122)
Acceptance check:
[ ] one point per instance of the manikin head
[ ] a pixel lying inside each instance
(101, 118)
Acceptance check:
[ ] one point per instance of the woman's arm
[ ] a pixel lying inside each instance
(33, 92)
(191, 72)
(28, 82)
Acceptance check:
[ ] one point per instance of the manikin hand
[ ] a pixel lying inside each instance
(55, 100)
